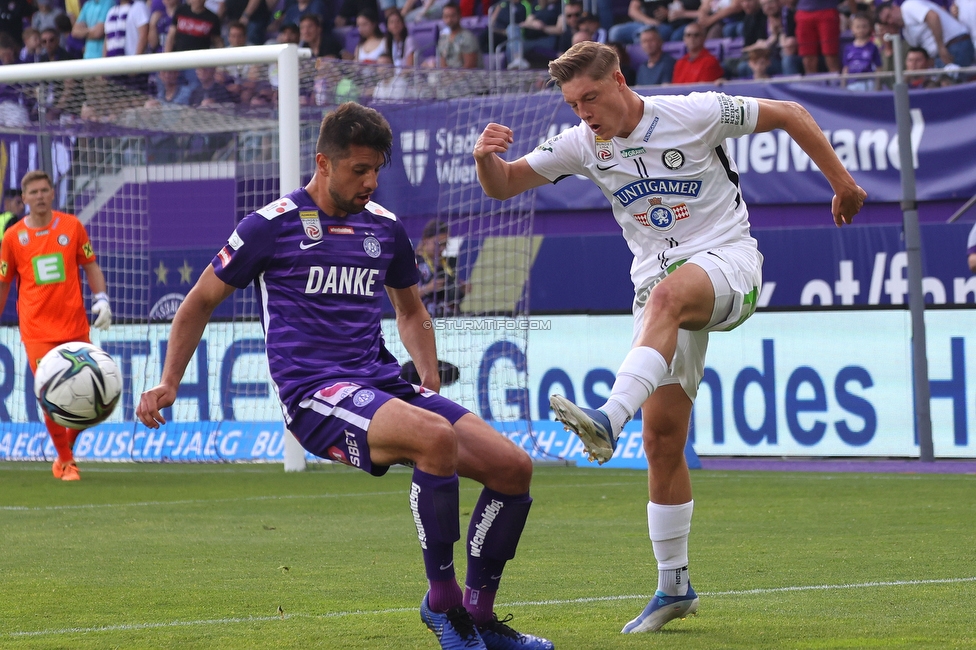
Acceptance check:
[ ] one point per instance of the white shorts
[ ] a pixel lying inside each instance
(736, 275)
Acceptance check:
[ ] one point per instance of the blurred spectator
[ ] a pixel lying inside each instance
(698, 65)
(440, 288)
(918, 59)
(682, 13)
(756, 24)
(288, 33)
(210, 92)
(399, 44)
(90, 27)
(925, 24)
(12, 110)
(350, 10)
(14, 14)
(45, 16)
(321, 43)
(74, 46)
(965, 12)
(236, 34)
(456, 47)
(13, 209)
(761, 29)
(31, 52)
(971, 249)
(720, 18)
(170, 91)
(626, 67)
(160, 21)
(127, 29)
(391, 85)
(660, 65)
(51, 49)
(255, 15)
(642, 14)
(194, 28)
(295, 10)
(789, 52)
(539, 31)
(568, 24)
(371, 40)
(818, 34)
(759, 63)
(429, 10)
(504, 19)
(591, 25)
(862, 55)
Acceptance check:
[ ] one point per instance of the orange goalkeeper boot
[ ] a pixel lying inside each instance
(70, 472)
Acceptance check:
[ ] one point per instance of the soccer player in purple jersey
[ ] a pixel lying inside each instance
(318, 258)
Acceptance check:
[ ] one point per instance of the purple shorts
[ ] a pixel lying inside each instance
(333, 422)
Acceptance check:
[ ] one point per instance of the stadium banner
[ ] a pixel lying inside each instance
(783, 384)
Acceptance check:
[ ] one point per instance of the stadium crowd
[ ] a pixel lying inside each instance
(686, 41)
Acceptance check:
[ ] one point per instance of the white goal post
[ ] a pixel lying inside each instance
(285, 56)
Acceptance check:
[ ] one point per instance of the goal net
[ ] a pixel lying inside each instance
(160, 175)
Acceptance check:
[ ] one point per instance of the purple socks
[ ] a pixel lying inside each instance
(434, 504)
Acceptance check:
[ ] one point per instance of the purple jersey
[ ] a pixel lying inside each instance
(320, 283)
(862, 58)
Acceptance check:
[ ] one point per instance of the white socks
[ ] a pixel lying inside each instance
(639, 375)
(669, 527)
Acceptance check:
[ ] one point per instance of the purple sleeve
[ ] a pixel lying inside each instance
(402, 271)
(876, 59)
(248, 251)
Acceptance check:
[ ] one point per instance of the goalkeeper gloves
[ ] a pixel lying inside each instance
(103, 313)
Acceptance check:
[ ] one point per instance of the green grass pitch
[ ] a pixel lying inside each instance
(202, 556)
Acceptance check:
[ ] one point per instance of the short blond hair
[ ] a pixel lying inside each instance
(35, 175)
(595, 60)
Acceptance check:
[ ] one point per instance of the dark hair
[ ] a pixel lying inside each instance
(62, 22)
(11, 192)
(371, 16)
(389, 34)
(289, 27)
(919, 49)
(587, 17)
(313, 18)
(595, 60)
(433, 228)
(453, 5)
(7, 42)
(352, 124)
(236, 24)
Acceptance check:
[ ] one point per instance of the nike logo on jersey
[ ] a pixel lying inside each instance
(305, 248)
(603, 169)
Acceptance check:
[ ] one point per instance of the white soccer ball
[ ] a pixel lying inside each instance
(77, 384)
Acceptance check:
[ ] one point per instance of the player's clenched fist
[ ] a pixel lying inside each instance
(494, 139)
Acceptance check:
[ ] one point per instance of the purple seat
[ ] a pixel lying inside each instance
(494, 61)
(674, 48)
(732, 48)
(425, 38)
(637, 55)
(475, 23)
(352, 40)
(714, 45)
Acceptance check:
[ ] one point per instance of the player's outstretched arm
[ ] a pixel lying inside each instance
(188, 325)
(417, 333)
(501, 179)
(795, 120)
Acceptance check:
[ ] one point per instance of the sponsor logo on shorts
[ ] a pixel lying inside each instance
(337, 392)
(372, 247)
(363, 397)
(337, 455)
(353, 447)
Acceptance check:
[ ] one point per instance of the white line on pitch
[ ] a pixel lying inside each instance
(527, 603)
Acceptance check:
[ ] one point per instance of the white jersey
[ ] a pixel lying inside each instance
(672, 184)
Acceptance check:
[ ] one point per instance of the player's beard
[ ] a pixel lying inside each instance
(349, 206)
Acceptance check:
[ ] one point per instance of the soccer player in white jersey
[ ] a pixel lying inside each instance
(319, 258)
(663, 164)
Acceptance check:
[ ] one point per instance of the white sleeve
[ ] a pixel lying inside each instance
(560, 155)
(913, 12)
(713, 117)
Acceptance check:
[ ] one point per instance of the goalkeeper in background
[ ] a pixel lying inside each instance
(320, 258)
(664, 165)
(44, 251)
